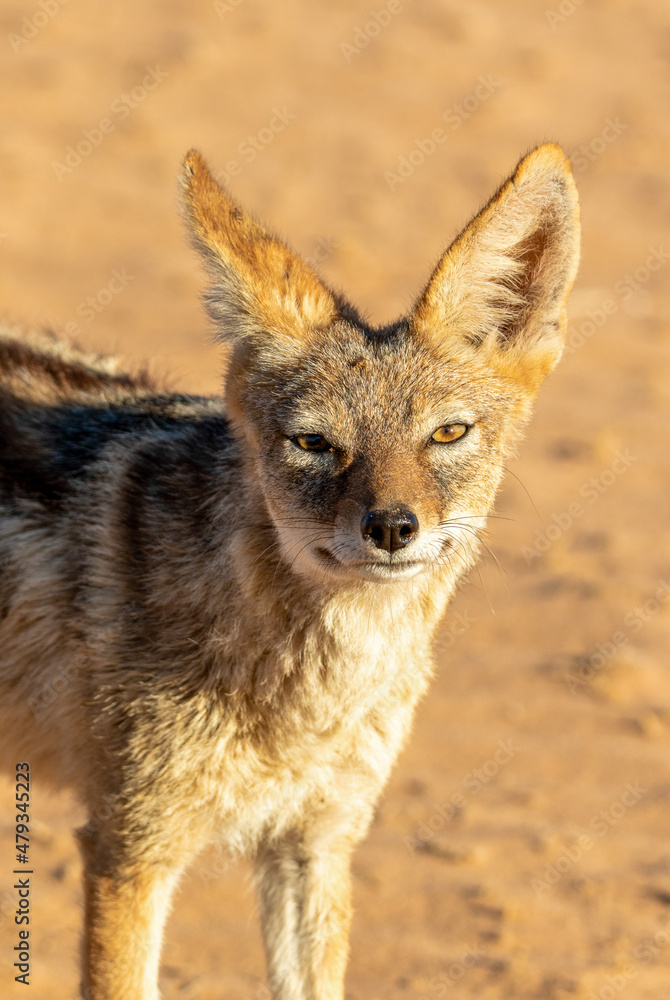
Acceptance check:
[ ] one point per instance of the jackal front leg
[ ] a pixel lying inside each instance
(126, 904)
(305, 906)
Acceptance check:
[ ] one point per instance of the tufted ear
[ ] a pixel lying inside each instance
(502, 286)
(260, 291)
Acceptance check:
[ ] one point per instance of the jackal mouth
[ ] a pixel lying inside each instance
(376, 571)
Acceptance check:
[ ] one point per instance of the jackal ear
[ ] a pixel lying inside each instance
(260, 290)
(503, 284)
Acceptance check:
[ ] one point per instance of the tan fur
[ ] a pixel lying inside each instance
(199, 633)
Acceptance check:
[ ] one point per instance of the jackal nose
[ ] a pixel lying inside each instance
(390, 529)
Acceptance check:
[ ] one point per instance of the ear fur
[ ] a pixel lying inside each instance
(260, 291)
(503, 283)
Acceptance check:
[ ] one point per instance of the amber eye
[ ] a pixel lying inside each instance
(450, 432)
(312, 442)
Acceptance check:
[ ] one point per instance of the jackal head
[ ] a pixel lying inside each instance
(378, 451)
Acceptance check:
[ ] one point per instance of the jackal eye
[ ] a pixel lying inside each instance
(450, 432)
(312, 442)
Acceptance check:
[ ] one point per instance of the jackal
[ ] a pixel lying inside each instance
(216, 614)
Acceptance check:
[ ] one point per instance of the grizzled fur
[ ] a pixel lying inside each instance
(196, 633)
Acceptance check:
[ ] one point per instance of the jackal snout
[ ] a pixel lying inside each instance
(390, 530)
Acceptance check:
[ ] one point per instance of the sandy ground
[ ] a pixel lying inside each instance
(537, 781)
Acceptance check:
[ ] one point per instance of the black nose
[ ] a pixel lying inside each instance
(390, 529)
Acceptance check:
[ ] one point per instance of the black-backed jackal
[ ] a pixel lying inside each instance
(216, 615)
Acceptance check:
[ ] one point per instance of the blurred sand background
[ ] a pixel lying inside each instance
(539, 875)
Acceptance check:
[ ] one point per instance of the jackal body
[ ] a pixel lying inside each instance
(217, 614)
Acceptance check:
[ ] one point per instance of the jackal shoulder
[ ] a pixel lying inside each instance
(61, 409)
